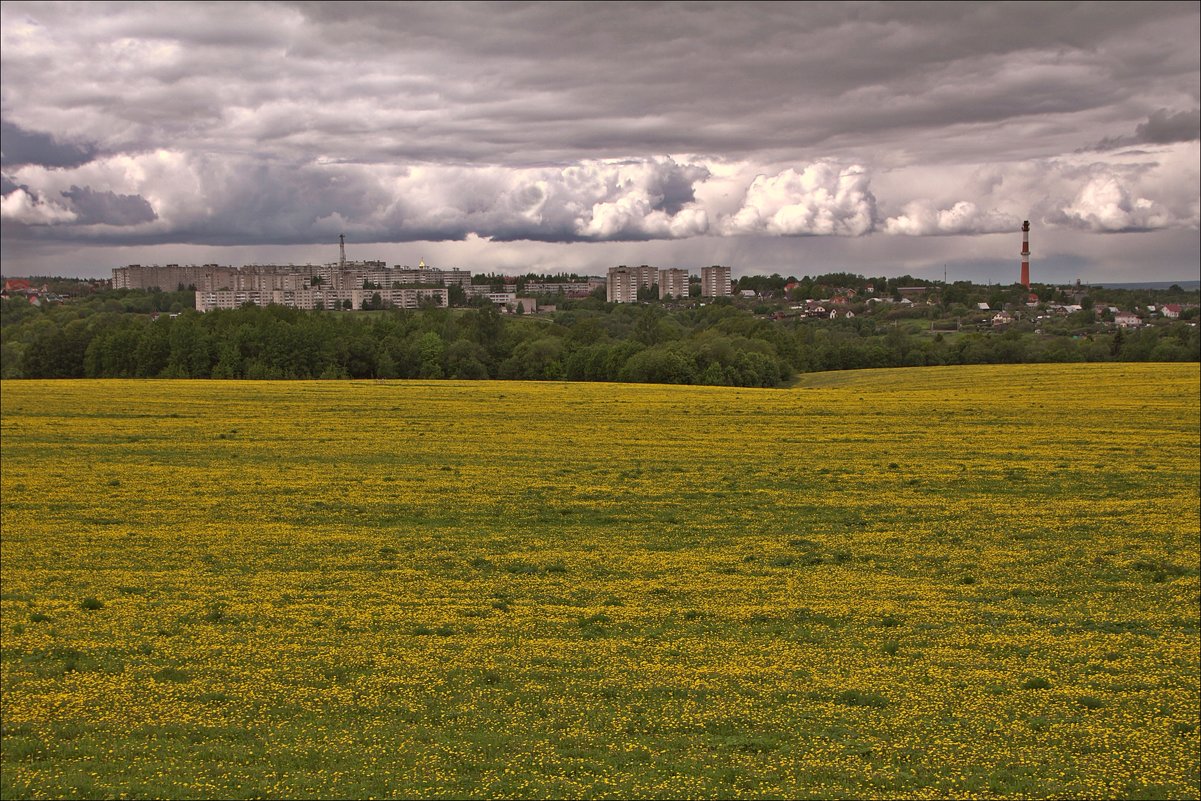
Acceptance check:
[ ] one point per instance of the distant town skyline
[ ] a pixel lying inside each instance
(877, 139)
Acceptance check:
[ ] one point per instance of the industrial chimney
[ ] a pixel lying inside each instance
(1026, 253)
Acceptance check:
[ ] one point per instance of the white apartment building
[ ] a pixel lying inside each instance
(321, 297)
(568, 288)
(715, 282)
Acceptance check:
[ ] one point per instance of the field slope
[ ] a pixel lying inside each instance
(948, 581)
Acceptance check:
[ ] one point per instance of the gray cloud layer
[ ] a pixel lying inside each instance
(284, 123)
(19, 147)
(1161, 128)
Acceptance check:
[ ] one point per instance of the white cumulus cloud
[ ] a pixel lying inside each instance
(924, 218)
(20, 206)
(1106, 204)
(821, 199)
(228, 200)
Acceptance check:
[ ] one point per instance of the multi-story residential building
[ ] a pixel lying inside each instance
(168, 278)
(299, 286)
(322, 298)
(647, 275)
(622, 286)
(673, 283)
(456, 277)
(429, 276)
(259, 277)
(624, 282)
(715, 282)
(571, 289)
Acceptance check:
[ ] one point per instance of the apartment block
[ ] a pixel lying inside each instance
(576, 289)
(647, 275)
(624, 282)
(623, 285)
(321, 298)
(429, 276)
(715, 282)
(673, 283)
(168, 278)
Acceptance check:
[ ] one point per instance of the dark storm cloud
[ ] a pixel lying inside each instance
(108, 208)
(1161, 128)
(673, 186)
(19, 147)
(572, 122)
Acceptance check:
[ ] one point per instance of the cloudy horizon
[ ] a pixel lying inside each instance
(879, 139)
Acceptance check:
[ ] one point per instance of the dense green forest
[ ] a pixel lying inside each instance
(116, 334)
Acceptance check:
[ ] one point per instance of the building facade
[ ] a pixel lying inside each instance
(571, 289)
(323, 298)
(340, 285)
(715, 282)
(622, 286)
(673, 283)
(168, 278)
(624, 282)
(647, 275)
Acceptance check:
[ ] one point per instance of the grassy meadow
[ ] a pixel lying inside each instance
(962, 581)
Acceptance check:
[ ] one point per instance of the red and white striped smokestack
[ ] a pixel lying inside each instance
(1026, 253)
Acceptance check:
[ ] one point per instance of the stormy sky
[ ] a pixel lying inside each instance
(880, 139)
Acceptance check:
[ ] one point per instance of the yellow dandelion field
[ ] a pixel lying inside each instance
(964, 582)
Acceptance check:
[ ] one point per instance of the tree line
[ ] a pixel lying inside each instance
(117, 335)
